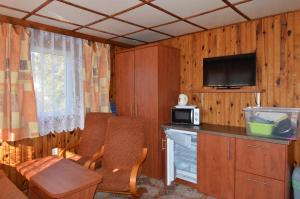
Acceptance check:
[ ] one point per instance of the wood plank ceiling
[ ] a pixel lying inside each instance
(136, 22)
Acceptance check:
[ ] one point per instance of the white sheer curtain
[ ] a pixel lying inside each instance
(57, 72)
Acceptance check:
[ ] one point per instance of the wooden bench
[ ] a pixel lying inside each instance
(8, 189)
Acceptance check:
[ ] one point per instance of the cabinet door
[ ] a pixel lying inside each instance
(249, 186)
(125, 83)
(261, 158)
(146, 100)
(216, 157)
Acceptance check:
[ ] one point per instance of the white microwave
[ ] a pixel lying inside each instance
(185, 115)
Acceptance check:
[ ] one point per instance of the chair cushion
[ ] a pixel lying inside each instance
(114, 181)
(123, 143)
(93, 135)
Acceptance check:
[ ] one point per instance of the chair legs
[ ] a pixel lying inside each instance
(139, 193)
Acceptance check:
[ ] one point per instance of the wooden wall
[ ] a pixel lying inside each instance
(276, 40)
(277, 43)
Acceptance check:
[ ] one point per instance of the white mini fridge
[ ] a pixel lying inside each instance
(181, 155)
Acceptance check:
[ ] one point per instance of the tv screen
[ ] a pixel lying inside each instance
(230, 71)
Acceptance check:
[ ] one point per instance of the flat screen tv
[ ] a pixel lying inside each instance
(232, 71)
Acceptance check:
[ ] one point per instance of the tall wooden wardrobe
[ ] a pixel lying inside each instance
(147, 86)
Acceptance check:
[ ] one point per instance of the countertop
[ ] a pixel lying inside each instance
(228, 131)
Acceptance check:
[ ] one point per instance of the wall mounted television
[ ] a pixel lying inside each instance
(232, 71)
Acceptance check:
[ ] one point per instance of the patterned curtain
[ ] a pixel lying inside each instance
(18, 118)
(97, 77)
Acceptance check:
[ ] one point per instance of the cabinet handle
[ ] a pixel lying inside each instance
(135, 111)
(163, 146)
(132, 110)
(228, 150)
(257, 181)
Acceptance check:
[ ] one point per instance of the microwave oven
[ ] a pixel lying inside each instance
(185, 115)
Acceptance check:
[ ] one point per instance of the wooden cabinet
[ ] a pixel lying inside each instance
(263, 169)
(216, 159)
(249, 186)
(147, 86)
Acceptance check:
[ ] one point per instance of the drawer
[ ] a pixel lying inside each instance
(261, 158)
(249, 186)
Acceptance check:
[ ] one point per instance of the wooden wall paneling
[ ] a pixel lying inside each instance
(282, 76)
(6, 158)
(276, 59)
(291, 68)
(296, 57)
(211, 52)
(198, 47)
(45, 145)
(261, 61)
(220, 50)
(49, 144)
(186, 63)
(273, 38)
(68, 138)
(206, 110)
(269, 48)
(12, 161)
(38, 147)
(27, 149)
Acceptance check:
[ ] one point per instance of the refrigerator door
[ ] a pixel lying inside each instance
(170, 161)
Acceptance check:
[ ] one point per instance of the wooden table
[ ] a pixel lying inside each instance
(64, 179)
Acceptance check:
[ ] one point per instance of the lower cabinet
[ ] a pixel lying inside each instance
(216, 165)
(229, 168)
(249, 186)
(232, 167)
(262, 170)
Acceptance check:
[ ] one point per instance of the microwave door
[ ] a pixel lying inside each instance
(182, 116)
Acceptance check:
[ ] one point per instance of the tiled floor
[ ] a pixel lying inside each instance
(155, 190)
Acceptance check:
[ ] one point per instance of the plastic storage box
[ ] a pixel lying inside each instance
(273, 122)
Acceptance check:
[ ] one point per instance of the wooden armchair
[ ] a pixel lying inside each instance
(88, 147)
(122, 156)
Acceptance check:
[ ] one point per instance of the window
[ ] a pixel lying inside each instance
(57, 72)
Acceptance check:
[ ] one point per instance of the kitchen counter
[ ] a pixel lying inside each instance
(237, 132)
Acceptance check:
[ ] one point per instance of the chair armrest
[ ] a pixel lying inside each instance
(134, 172)
(62, 152)
(90, 164)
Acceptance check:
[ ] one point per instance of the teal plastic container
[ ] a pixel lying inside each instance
(296, 182)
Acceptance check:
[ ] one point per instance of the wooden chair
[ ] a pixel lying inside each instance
(88, 147)
(122, 156)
